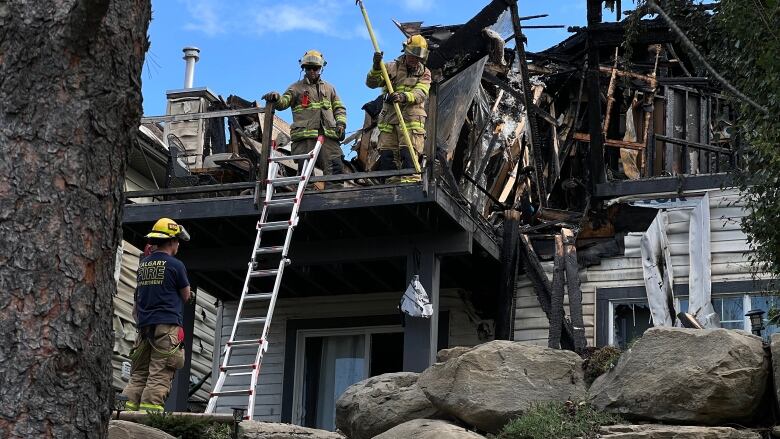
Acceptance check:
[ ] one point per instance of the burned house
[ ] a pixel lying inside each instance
(566, 196)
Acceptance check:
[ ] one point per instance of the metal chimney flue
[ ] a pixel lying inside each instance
(191, 56)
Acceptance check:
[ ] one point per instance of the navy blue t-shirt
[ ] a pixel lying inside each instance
(160, 277)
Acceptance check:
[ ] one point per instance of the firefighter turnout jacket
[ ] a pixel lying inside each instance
(315, 106)
(415, 85)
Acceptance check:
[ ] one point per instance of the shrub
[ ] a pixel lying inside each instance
(184, 427)
(599, 361)
(553, 420)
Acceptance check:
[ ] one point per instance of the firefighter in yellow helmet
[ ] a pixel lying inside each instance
(317, 110)
(411, 82)
(162, 289)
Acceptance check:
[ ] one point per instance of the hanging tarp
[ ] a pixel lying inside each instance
(658, 270)
(454, 100)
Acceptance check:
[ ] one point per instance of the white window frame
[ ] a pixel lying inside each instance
(300, 352)
(746, 305)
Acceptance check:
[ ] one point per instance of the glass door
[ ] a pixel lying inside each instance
(329, 361)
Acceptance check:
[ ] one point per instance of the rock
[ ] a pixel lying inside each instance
(270, 430)
(131, 430)
(650, 431)
(445, 355)
(496, 382)
(711, 376)
(428, 429)
(776, 431)
(380, 403)
(774, 347)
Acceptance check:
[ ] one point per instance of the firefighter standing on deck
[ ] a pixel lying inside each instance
(162, 290)
(411, 82)
(317, 110)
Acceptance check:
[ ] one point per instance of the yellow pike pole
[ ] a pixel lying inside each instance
(390, 90)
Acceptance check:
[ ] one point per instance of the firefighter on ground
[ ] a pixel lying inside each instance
(411, 83)
(162, 290)
(317, 110)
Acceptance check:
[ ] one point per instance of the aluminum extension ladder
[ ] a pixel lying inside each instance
(277, 201)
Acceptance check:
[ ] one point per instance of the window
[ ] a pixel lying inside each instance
(329, 361)
(630, 318)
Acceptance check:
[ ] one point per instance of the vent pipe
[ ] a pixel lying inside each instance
(191, 56)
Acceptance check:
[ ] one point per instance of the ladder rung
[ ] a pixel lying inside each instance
(274, 225)
(252, 320)
(258, 296)
(281, 202)
(238, 366)
(263, 273)
(240, 343)
(281, 181)
(232, 392)
(238, 374)
(267, 250)
(291, 157)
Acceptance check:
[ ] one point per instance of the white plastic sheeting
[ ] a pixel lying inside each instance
(415, 301)
(659, 279)
(657, 266)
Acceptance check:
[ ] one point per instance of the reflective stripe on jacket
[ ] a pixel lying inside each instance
(415, 85)
(314, 107)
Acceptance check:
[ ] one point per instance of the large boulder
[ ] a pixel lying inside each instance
(496, 382)
(649, 431)
(269, 430)
(775, 349)
(380, 403)
(445, 355)
(131, 430)
(428, 429)
(710, 377)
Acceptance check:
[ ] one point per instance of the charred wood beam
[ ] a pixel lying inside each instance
(533, 124)
(691, 144)
(543, 288)
(506, 292)
(268, 131)
(467, 39)
(574, 290)
(582, 137)
(596, 154)
(556, 298)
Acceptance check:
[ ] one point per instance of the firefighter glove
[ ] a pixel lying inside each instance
(396, 97)
(271, 97)
(378, 60)
(341, 131)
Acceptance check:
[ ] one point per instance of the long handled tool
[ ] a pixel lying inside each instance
(390, 90)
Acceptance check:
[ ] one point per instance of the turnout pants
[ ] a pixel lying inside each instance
(329, 159)
(156, 355)
(394, 154)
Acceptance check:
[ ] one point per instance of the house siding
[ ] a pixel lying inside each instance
(268, 402)
(729, 250)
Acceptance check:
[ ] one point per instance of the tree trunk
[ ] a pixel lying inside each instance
(70, 103)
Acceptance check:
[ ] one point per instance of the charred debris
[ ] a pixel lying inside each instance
(533, 144)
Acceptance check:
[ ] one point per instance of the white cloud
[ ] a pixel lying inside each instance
(204, 17)
(418, 5)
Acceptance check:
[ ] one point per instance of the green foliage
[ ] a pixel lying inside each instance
(183, 427)
(553, 420)
(748, 58)
(598, 361)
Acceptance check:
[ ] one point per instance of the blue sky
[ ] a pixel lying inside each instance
(250, 47)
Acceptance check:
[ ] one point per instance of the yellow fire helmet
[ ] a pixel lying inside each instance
(166, 228)
(312, 58)
(416, 45)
